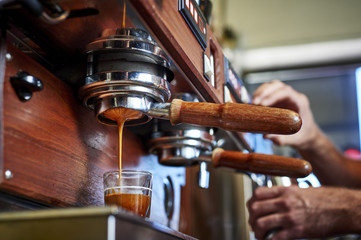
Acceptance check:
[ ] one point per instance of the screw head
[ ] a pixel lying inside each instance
(8, 57)
(8, 174)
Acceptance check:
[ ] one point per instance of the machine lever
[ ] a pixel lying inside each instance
(236, 117)
(261, 163)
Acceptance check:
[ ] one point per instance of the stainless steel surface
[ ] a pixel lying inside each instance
(109, 101)
(159, 110)
(183, 144)
(203, 175)
(83, 223)
(168, 198)
(130, 40)
(181, 147)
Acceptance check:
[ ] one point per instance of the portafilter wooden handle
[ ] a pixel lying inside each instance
(235, 117)
(261, 163)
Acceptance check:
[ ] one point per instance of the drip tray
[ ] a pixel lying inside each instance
(83, 223)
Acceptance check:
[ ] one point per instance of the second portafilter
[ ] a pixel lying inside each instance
(130, 70)
(182, 144)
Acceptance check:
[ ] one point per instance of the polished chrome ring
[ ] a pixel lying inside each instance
(120, 83)
(119, 43)
(183, 148)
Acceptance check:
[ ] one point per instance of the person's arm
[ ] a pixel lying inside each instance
(331, 166)
(328, 163)
(304, 213)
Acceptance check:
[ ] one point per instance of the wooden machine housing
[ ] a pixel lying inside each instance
(53, 151)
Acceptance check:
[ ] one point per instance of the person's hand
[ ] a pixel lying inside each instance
(304, 213)
(278, 94)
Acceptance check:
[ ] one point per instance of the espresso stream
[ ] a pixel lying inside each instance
(121, 115)
(137, 203)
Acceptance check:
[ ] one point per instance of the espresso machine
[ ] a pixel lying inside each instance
(65, 62)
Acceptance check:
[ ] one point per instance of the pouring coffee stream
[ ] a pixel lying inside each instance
(137, 203)
(121, 115)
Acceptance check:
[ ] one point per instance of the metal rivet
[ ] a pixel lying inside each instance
(8, 174)
(8, 57)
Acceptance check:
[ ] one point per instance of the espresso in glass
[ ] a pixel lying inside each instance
(128, 189)
(132, 192)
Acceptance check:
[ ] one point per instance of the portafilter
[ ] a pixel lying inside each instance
(130, 70)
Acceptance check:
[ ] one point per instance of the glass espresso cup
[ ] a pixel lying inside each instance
(133, 192)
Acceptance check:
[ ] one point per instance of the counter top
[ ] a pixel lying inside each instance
(83, 223)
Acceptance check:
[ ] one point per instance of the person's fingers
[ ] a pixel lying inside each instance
(262, 193)
(267, 224)
(268, 201)
(262, 208)
(283, 97)
(265, 90)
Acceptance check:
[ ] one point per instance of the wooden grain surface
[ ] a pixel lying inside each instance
(57, 151)
(262, 163)
(236, 117)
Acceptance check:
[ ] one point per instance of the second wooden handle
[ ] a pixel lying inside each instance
(261, 163)
(236, 117)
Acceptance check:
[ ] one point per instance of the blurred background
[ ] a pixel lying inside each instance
(314, 46)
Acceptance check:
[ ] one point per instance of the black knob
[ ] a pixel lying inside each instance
(25, 84)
